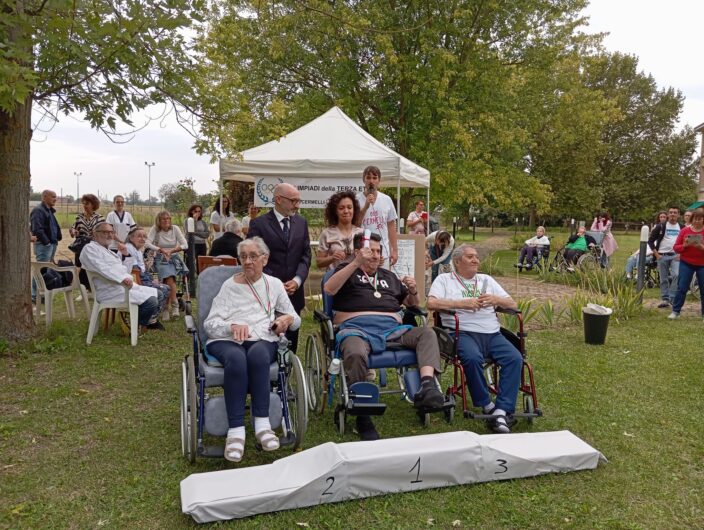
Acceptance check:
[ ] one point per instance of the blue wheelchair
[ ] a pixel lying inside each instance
(203, 409)
(325, 374)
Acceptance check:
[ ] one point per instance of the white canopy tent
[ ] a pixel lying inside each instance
(330, 146)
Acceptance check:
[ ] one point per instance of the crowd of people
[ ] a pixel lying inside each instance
(359, 248)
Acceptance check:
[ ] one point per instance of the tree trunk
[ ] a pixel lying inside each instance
(16, 319)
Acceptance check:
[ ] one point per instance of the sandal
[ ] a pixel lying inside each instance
(234, 449)
(268, 440)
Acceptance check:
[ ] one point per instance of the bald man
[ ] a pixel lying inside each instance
(45, 228)
(286, 234)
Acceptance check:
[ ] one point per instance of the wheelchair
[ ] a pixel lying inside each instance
(361, 398)
(588, 261)
(183, 296)
(204, 413)
(458, 389)
(540, 259)
(651, 276)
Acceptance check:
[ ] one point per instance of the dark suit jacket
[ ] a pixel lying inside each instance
(285, 261)
(225, 245)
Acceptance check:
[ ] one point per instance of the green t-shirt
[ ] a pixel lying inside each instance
(580, 244)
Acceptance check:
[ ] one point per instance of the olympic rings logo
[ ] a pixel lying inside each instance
(265, 191)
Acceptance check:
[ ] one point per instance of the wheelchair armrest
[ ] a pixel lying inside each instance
(451, 312)
(319, 316)
(190, 324)
(416, 311)
(508, 311)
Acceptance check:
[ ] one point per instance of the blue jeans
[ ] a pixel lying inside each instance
(476, 348)
(632, 263)
(42, 253)
(246, 368)
(148, 311)
(668, 269)
(687, 271)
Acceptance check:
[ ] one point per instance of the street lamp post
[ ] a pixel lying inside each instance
(150, 166)
(78, 194)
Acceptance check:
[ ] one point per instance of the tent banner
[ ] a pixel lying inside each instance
(315, 191)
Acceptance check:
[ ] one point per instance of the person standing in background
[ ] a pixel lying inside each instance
(379, 215)
(252, 212)
(417, 219)
(662, 241)
(200, 234)
(121, 222)
(220, 216)
(45, 228)
(602, 223)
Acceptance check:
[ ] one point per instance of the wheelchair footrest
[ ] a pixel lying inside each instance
(447, 405)
(365, 409)
(212, 451)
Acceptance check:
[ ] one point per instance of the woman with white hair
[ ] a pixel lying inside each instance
(226, 245)
(245, 321)
(529, 251)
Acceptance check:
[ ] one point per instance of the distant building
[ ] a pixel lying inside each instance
(700, 190)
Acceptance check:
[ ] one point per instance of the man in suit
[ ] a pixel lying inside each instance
(286, 235)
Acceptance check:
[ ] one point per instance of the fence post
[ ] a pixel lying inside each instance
(644, 233)
(454, 227)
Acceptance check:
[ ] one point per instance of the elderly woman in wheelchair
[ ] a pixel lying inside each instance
(243, 326)
(577, 245)
(474, 299)
(534, 250)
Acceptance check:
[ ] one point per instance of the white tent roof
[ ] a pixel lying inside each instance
(332, 145)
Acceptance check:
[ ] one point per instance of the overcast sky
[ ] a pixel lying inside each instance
(664, 35)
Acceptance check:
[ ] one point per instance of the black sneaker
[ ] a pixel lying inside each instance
(428, 397)
(499, 424)
(156, 325)
(366, 429)
(663, 304)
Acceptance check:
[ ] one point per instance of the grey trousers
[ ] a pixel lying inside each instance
(355, 351)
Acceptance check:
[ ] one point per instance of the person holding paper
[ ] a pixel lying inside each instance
(417, 219)
(366, 301)
(475, 296)
(690, 247)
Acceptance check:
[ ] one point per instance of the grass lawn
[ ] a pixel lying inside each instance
(89, 437)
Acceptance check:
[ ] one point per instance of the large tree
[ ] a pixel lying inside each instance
(647, 162)
(102, 59)
(439, 81)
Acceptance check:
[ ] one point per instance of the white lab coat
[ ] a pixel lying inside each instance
(109, 267)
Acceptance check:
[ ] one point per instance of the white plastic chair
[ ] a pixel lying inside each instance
(124, 305)
(48, 295)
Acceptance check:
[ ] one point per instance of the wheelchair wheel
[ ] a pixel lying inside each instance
(449, 414)
(297, 398)
(340, 419)
(314, 372)
(188, 409)
(528, 407)
(424, 418)
(587, 262)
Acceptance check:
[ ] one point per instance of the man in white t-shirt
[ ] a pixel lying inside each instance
(662, 242)
(379, 214)
(474, 297)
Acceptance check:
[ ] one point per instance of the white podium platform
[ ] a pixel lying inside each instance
(338, 472)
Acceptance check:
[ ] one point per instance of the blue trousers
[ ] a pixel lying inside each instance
(148, 311)
(476, 348)
(668, 269)
(42, 253)
(687, 272)
(246, 369)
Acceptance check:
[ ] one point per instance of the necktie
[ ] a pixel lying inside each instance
(287, 232)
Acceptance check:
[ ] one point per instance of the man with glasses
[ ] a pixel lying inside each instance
(97, 258)
(286, 235)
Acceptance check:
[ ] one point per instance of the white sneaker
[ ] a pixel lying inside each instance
(175, 312)
(673, 316)
(629, 277)
(79, 298)
(165, 315)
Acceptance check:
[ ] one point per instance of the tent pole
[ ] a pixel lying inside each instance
(427, 226)
(398, 203)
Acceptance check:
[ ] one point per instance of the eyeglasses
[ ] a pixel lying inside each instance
(293, 201)
(249, 257)
(111, 232)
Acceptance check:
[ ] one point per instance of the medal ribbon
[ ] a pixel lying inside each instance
(466, 285)
(376, 281)
(267, 309)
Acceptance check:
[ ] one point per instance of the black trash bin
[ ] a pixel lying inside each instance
(596, 324)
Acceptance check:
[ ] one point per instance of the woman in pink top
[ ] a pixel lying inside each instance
(602, 223)
(690, 247)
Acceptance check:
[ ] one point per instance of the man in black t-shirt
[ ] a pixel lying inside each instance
(368, 298)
